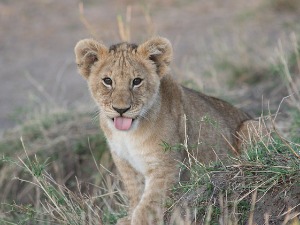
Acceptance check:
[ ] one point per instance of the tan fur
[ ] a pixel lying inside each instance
(251, 132)
(163, 111)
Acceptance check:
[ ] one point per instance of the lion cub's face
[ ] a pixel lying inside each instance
(124, 79)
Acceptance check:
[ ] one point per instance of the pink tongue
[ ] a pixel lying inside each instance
(122, 123)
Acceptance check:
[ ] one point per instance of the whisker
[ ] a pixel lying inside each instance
(144, 117)
(95, 115)
(145, 114)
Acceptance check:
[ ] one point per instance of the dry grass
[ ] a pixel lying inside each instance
(232, 192)
(36, 174)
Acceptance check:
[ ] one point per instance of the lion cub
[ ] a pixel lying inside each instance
(141, 106)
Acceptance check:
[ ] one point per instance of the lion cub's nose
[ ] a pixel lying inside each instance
(121, 111)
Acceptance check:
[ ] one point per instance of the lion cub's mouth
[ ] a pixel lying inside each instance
(122, 123)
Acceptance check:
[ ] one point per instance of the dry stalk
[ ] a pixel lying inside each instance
(86, 23)
(124, 27)
(253, 202)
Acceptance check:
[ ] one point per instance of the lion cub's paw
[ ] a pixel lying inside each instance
(147, 216)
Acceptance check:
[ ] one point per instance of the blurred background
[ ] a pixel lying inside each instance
(218, 45)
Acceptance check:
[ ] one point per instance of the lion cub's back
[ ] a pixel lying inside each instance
(212, 124)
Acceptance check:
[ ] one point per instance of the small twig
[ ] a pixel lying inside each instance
(107, 170)
(124, 28)
(285, 141)
(289, 210)
(253, 202)
(266, 217)
(40, 88)
(277, 112)
(85, 22)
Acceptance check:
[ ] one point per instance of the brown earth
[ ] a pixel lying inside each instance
(37, 39)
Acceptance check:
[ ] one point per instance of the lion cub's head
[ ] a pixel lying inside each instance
(124, 79)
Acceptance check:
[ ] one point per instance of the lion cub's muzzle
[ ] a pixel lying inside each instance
(121, 111)
(120, 122)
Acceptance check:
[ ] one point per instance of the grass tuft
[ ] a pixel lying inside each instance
(271, 170)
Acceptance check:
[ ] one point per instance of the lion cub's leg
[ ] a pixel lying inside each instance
(150, 209)
(133, 184)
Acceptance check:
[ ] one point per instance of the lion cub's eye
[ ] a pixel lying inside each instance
(137, 81)
(107, 81)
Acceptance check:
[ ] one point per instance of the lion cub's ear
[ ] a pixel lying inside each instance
(159, 50)
(88, 51)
